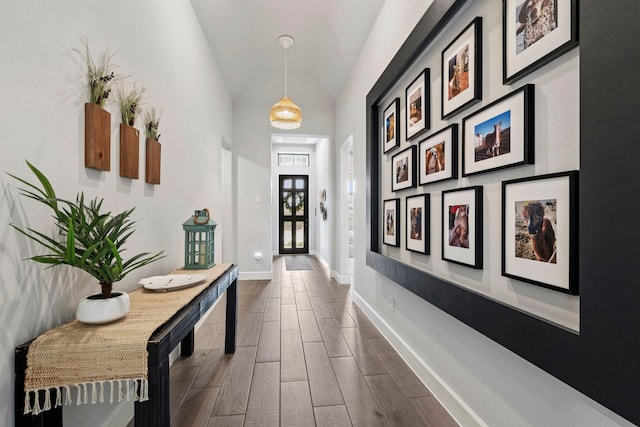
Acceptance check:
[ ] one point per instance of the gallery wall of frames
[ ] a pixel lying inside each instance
(473, 157)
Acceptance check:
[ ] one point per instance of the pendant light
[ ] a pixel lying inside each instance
(285, 114)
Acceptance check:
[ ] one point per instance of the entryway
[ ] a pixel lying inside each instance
(294, 214)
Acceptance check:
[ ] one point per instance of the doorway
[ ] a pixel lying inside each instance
(294, 214)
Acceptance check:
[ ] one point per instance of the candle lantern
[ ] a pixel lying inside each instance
(199, 236)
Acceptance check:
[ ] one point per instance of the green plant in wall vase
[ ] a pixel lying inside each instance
(89, 239)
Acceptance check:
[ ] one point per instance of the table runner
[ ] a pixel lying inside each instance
(88, 357)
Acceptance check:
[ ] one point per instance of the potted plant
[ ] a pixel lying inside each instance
(91, 240)
(153, 147)
(97, 123)
(129, 101)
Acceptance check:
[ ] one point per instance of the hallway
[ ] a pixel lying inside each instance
(306, 355)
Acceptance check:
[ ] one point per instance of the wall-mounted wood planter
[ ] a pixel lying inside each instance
(152, 173)
(129, 151)
(97, 137)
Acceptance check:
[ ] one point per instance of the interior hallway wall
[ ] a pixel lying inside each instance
(480, 382)
(42, 95)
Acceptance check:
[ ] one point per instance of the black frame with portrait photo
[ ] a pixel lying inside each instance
(411, 173)
(453, 230)
(420, 83)
(560, 39)
(391, 143)
(474, 76)
(393, 239)
(539, 230)
(422, 244)
(447, 161)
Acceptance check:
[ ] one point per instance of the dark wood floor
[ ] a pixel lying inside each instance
(306, 356)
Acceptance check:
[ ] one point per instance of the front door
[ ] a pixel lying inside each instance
(294, 214)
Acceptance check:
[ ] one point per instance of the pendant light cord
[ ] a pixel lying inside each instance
(285, 71)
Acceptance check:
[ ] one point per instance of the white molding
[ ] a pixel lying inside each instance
(342, 279)
(451, 401)
(255, 275)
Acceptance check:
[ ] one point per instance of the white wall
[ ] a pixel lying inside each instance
(325, 170)
(480, 382)
(160, 44)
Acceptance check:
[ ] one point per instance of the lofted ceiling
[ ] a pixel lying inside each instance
(329, 34)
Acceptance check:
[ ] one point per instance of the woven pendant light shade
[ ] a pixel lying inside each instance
(285, 114)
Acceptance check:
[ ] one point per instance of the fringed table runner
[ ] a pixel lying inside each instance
(103, 362)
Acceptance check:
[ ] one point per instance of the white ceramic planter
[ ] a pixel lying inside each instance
(97, 310)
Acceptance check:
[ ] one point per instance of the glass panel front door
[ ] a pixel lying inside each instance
(294, 215)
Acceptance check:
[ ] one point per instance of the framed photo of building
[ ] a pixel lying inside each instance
(418, 223)
(403, 172)
(535, 32)
(462, 70)
(438, 156)
(500, 135)
(418, 105)
(391, 126)
(391, 224)
(539, 229)
(462, 226)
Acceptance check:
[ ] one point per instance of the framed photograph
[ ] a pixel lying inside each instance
(535, 32)
(539, 230)
(462, 226)
(500, 135)
(462, 70)
(418, 106)
(391, 231)
(438, 158)
(418, 221)
(403, 172)
(391, 127)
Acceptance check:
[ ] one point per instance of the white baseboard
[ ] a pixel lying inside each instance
(451, 401)
(340, 278)
(255, 275)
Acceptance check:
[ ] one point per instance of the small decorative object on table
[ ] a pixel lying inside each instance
(199, 240)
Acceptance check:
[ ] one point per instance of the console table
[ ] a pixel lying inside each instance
(178, 329)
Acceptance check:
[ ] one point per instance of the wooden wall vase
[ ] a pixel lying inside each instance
(129, 151)
(152, 173)
(97, 137)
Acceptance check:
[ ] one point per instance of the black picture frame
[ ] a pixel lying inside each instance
(600, 361)
(462, 226)
(539, 229)
(391, 126)
(438, 156)
(418, 105)
(418, 223)
(522, 54)
(462, 70)
(513, 116)
(391, 225)
(403, 169)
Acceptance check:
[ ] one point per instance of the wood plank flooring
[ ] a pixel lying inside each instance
(306, 356)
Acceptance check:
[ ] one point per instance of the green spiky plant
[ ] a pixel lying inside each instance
(130, 102)
(90, 239)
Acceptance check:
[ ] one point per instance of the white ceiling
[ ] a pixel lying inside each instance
(329, 34)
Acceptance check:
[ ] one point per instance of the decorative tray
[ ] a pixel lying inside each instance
(171, 282)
